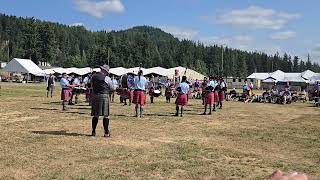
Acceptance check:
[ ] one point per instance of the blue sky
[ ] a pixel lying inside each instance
(264, 25)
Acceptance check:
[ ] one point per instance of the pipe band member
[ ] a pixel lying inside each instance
(221, 92)
(182, 99)
(66, 91)
(203, 89)
(100, 105)
(50, 85)
(139, 97)
(76, 82)
(210, 97)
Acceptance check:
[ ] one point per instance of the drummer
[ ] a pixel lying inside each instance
(182, 99)
(66, 91)
(76, 83)
(139, 98)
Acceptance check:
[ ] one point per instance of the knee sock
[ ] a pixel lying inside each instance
(177, 110)
(181, 110)
(141, 111)
(210, 108)
(106, 125)
(94, 124)
(136, 111)
(205, 109)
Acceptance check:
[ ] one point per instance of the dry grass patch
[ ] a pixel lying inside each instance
(242, 141)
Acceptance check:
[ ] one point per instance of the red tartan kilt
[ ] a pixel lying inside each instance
(221, 96)
(182, 100)
(168, 94)
(66, 94)
(139, 98)
(210, 99)
(216, 97)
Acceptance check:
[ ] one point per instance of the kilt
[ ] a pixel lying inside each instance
(168, 94)
(210, 99)
(100, 105)
(221, 96)
(66, 94)
(139, 98)
(216, 97)
(182, 100)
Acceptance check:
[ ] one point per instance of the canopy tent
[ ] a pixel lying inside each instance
(314, 79)
(191, 74)
(259, 76)
(160, 71)
(269, 80)
(135, 70)
(25, 66)
(119, 71)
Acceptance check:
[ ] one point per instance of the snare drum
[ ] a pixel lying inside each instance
(156, 93)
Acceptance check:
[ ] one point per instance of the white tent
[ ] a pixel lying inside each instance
(157, 70)
(49, 71)
(314, 79)
(25, 66)
(135, 70)
(119, 71)
(259, 76)
(191, 74)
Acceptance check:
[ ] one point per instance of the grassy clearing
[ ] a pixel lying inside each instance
(242, 141)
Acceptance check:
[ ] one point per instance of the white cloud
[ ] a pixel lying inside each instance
(180, 32)
(239, 41)
(255, 17)
(99, 8)
(77, 24)
(283, 35)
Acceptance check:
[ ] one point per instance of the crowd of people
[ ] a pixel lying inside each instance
(100, 90)
(281, 94)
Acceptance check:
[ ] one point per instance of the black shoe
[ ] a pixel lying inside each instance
(107, 135)
(204, 113)
(210, 114)
(70, 104)
(176, 115)
(93, 134)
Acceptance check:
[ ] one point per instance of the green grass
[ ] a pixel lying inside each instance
(242, 141)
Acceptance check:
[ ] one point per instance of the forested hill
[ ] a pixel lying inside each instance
(67, 46)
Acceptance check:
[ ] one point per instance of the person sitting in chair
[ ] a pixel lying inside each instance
(286, 96)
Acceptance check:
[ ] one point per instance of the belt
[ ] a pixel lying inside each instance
(138, 90)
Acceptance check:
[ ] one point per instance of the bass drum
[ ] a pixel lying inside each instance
(124, 81)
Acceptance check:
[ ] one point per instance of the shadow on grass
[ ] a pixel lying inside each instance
(47, 109)
(58, 133)
(81, 113)
(162, 115)
(53, 103)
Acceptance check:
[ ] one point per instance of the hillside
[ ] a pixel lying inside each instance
(63, 45)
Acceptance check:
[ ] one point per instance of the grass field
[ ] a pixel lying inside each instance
(242, 141)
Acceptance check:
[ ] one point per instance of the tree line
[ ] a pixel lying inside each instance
(75, 46)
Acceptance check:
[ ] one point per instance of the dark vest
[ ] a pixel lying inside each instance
(99, 84)
(50, 81)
